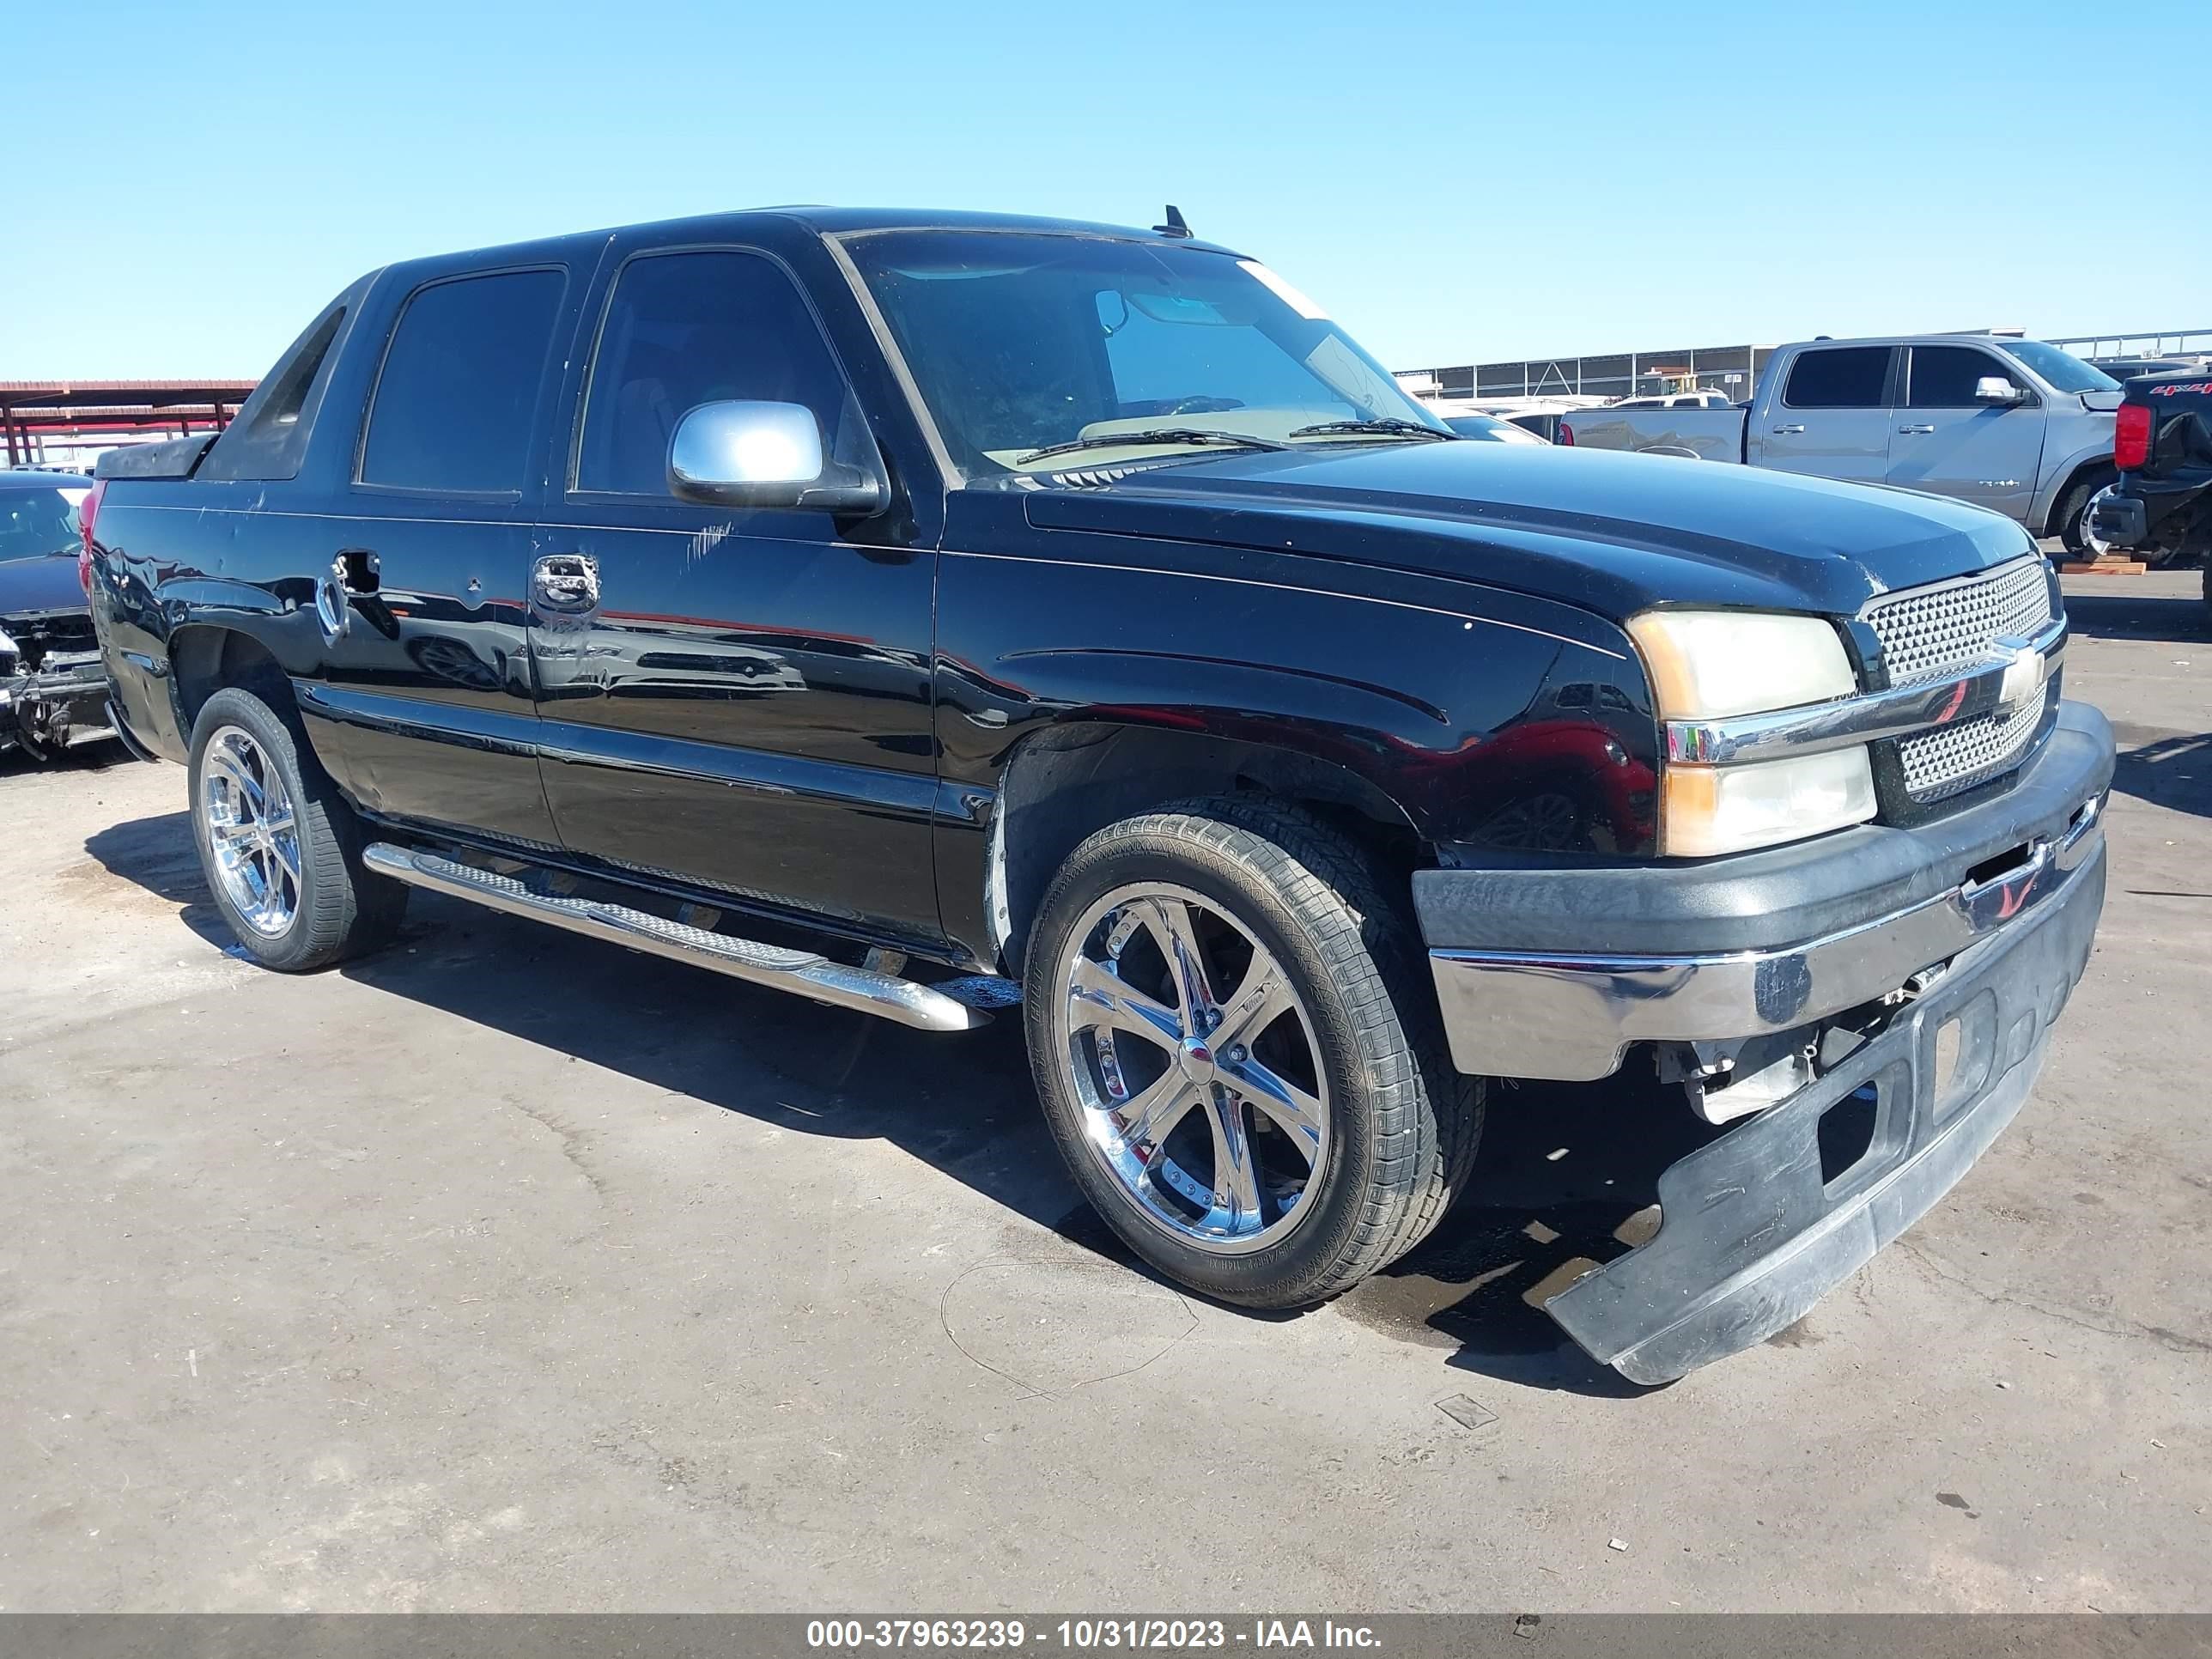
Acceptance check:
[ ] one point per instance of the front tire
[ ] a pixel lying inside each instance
(280, 848)
(2072, 513)
(1239, 1054)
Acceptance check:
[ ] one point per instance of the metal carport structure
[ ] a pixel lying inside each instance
(34, 412)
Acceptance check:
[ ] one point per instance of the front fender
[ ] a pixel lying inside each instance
(2058, 477)
(1420, 704)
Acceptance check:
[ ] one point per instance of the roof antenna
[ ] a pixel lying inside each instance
(1175, 226)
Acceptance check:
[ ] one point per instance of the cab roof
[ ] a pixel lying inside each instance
(776, 223)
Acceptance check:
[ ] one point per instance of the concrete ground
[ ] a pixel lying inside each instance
(512, 1270)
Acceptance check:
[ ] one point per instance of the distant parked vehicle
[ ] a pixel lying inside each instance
(1680, 400)
(1540, 415)
(52, 688)
(2016, 426)
(1492, 428)
(2126, 368)
(2160, 509)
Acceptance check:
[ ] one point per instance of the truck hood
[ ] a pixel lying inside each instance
(46, 581)
(1609, 532)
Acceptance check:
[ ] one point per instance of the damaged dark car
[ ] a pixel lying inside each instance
(53, 692)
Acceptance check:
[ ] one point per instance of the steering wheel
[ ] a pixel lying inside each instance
(1202, 405)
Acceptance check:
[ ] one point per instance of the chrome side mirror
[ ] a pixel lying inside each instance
(762, 454)
(1995, 389)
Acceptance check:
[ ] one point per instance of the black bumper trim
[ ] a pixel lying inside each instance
(1750, 1236)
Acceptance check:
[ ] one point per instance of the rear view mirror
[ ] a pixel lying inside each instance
(762, 454)
(1185, 309)
(1995, 389)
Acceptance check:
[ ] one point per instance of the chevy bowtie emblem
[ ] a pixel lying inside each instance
(2023, 674)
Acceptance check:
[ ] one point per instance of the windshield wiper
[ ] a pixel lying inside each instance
(1389, 425)
(1163, 434)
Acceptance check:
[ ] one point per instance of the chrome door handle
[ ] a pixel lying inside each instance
(354, 571)
(566, 583)
(331, 608)
(1794, 427)
(1916, 428)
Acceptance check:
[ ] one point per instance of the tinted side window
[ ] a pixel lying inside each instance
(1848, 377)
(269, 438)
(1942, 377)
(459, 389)
(686, 329)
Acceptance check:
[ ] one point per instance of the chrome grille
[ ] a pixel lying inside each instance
(1953, 759)
(1951, 628)
(1929, 632)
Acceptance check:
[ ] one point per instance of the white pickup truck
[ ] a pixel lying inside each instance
(2016, 426)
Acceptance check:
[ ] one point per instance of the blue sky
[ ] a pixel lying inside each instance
(1453, 181)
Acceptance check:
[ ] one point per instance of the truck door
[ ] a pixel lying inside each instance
(419, 575)
(1832, 418)
(1947, 440)
(737, 697)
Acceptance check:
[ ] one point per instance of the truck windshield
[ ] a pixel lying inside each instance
(1022, 343)
(2063, 369)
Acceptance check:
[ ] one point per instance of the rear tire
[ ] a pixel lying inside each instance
(280, 848)
(1266, 883)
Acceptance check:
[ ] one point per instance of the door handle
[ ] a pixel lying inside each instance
(565, 583)
(353, 572)
(1916, 428)
(1795, 426)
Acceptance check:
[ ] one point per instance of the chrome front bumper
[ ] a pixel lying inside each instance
(1571, 1014)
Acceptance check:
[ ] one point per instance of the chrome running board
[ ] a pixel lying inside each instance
(801, 972)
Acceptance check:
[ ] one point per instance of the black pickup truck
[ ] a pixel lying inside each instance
(929, 614)
(2161, 505)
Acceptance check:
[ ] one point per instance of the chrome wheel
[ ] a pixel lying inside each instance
(2096, 545)
(1196, 1067)
(252, 833)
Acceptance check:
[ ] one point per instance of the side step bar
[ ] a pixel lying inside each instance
(802, 972)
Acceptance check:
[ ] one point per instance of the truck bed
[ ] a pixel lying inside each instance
(1710, 434)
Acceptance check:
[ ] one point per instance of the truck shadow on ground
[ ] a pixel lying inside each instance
(157, 854)
(1566, 1180)
(2167, 768)
(2173, 769)
(1563, 1168)
(100, 755)
(2178, 618)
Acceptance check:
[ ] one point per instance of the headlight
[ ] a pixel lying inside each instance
(1705, 809)
(1709, 665)
(1706, 665)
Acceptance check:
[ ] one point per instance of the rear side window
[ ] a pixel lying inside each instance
(1943, 377)
(692, 328)
(457, 392)
(269, 439)
(1848, 377)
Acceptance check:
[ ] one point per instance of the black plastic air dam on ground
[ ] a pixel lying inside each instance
(1750, 1239)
